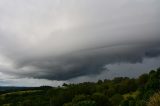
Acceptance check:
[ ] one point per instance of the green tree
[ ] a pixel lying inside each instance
(86, 103)
(116, 99)
(101, 99)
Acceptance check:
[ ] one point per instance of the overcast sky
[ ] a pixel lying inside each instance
(48, 42)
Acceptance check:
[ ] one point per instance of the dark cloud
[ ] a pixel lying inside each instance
(153, 52)
(72, 39)
(86, 63)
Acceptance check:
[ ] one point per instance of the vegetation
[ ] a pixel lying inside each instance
(120, 91)
(154, 100)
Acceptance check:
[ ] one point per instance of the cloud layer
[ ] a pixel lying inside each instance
(61, 40)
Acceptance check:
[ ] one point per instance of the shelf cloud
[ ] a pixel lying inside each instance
(62, 40)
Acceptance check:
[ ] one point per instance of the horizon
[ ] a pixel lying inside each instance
(68, 83)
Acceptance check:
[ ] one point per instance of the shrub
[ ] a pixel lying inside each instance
(154, 100)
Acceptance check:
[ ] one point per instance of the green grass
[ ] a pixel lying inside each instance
(132, 94)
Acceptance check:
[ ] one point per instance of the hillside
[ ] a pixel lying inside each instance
(120, 91)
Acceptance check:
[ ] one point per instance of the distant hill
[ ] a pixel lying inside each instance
(12, 88)
(5, 88)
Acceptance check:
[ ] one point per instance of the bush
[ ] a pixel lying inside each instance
(154, 100)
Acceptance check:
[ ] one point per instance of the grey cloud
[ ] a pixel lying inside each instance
(76, 38)
(153, 52)
(85, 63)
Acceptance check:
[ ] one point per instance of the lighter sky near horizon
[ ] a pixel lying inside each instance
(49, 42)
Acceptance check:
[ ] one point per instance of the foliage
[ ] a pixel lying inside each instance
(154, 100)
(121, 91)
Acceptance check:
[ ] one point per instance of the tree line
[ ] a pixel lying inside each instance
(120, 91)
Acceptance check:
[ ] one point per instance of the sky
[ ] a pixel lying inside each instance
(51, 42)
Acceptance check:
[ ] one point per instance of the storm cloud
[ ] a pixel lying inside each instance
(61, 40)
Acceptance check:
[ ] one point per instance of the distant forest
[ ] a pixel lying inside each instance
(121, 91)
